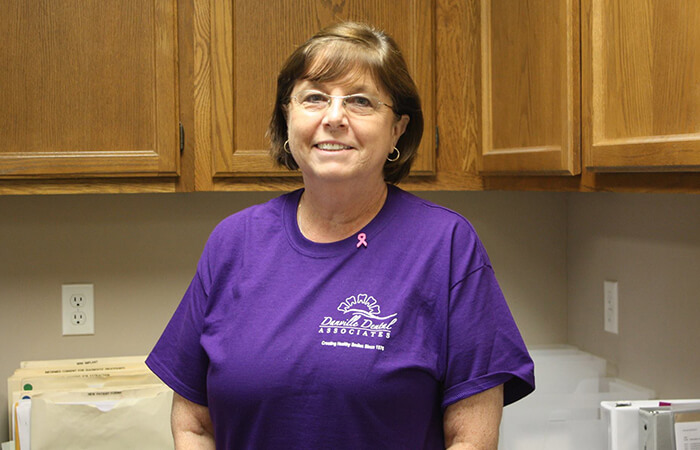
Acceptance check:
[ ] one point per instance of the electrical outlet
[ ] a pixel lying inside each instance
(78, 318)
(77, 300)
(611, 311)
(78, 307)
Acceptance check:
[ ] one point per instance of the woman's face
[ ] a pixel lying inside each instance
(336, 143)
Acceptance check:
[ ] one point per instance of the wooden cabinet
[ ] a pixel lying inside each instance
(93, 92)
(530, 116)
(641, 85)
(239, 48)
(639, 104)
(89, 89)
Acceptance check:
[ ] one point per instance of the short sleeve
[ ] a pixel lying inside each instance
(178, 357)
(484, 346)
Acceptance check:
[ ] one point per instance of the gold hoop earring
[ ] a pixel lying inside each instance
(396, 158)
(285, 146)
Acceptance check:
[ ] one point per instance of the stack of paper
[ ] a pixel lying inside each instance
(96, 404)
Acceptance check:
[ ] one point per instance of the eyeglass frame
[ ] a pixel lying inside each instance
(343, 98)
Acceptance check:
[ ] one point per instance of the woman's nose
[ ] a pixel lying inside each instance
(335, 116)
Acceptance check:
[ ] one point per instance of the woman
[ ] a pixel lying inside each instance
(348, 314)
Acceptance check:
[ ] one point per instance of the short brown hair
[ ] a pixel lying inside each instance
(336, 52)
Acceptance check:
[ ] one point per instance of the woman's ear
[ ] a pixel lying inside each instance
(399, 127)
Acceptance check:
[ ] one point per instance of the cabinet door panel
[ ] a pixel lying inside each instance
(250, 40)
(530, 87)
(641, 72)
(90, 89)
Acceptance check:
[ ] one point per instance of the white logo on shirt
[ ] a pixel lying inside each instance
(364, 306)
(362, 317)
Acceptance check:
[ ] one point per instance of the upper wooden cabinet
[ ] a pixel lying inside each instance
(237, 59)
(530, 113)
(641, 85)
(639, 102)
(91, 92)
(88, 89)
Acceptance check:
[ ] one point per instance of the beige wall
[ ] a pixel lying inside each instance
(650, 244)
(551, 252)
(140, 252)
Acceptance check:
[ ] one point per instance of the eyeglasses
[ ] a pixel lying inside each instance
(358, 104)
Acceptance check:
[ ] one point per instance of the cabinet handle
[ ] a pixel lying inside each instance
(182, 138)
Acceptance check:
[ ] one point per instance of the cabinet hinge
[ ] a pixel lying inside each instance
(437, 140)
(182, 138)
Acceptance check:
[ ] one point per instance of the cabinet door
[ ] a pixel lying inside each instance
(88, 88)
(530, 88)
(250, 40)
(641, 85)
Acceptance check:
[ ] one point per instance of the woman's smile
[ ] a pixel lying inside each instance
(330, 146)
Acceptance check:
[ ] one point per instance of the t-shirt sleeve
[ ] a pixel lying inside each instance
(484, 346)
(178, 357)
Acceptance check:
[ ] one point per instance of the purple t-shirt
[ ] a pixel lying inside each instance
(355, 344)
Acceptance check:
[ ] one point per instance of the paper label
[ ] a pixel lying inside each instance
(687, 435)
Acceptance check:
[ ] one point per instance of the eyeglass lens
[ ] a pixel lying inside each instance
(360, 104)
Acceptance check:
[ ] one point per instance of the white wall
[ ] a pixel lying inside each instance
(140, 252)
(650, 244)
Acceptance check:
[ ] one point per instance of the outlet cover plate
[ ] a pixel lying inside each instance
(78, 309)
(611, 305)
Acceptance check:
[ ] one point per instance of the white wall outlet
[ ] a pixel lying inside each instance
(611, 312)
(78, 306)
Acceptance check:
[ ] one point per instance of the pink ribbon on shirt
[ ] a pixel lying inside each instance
(361, 240)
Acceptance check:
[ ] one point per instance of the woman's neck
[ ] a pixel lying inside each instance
(331, 213)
